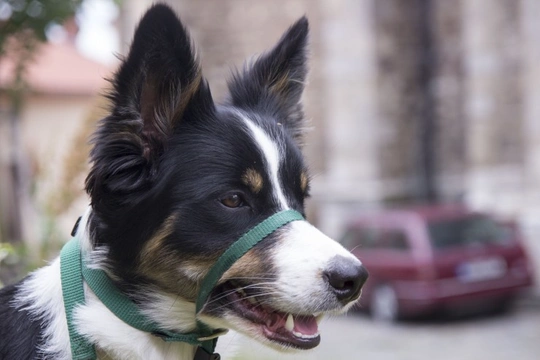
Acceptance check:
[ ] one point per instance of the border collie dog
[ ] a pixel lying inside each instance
(175, 180)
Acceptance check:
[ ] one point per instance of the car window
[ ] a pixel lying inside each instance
(373, 238)
(468, 231)
(395, 239)
(363, 238)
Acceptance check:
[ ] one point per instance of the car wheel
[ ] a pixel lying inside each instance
(384, 304)
(503, 306)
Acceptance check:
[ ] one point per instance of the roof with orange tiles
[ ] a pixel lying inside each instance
(59, 69)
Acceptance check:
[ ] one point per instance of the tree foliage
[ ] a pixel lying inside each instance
(33, 17)
(23, 26)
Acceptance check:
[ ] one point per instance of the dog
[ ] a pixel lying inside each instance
(175, 179)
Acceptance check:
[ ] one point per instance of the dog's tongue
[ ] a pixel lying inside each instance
(306, 325)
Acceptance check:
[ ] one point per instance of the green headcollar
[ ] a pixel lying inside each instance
(74, 272)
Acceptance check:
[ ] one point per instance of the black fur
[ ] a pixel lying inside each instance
(147, 167)
(20, 335)
(168, 151)
(274, 83)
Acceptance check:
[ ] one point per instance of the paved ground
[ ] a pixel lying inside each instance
(514, 336)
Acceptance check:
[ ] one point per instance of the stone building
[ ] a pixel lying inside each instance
(410, 101)
(40, 138)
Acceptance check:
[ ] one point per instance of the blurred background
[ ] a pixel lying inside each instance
(410, 101)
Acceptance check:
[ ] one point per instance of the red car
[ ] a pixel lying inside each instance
(428, 259)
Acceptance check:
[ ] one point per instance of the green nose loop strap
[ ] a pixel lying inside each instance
(74, 272)
(240, 247)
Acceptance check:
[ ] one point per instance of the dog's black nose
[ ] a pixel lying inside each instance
(346, 277)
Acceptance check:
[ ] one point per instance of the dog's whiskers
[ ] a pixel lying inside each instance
(258, 286)
(252, 278)
(246, 297)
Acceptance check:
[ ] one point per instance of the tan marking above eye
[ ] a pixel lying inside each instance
(304, 181)
(253, 179)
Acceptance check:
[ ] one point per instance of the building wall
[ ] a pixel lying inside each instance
(530, 201)
(367, 97)
(49, 127)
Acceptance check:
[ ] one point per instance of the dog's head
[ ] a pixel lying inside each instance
(177, 178)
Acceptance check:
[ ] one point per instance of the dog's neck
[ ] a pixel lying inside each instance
(42, 296)
(120, 341)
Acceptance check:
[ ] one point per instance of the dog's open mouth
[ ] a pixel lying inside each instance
(289, 330)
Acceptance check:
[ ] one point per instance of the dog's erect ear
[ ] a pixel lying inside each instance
(275, 81)
(157, 87)
(160, 76)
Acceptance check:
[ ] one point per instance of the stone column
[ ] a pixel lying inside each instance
(530, 215)
(348, 50)
(492, 52)
(531, 99)
(448, 88)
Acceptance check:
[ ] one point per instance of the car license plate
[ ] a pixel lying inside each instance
(481, 270)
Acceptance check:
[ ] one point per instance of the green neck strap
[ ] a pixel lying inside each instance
(74, 272)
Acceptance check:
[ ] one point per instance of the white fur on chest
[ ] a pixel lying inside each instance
(42, 294)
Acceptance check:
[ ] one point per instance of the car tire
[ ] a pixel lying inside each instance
(504, 306)
(384, 306)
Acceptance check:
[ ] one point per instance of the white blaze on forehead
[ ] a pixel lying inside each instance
(273, 157)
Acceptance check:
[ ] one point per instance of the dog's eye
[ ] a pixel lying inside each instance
(233, 201)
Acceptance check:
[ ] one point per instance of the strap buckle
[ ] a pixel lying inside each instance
(76, 227)
(202, 354)
(215, 334)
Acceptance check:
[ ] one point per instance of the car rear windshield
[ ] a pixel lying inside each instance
(374, 238)
(468, 231)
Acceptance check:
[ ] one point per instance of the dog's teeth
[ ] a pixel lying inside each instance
(289, 325)
(252, 300)
(305, 336)
(241, 292)
(318, 318)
